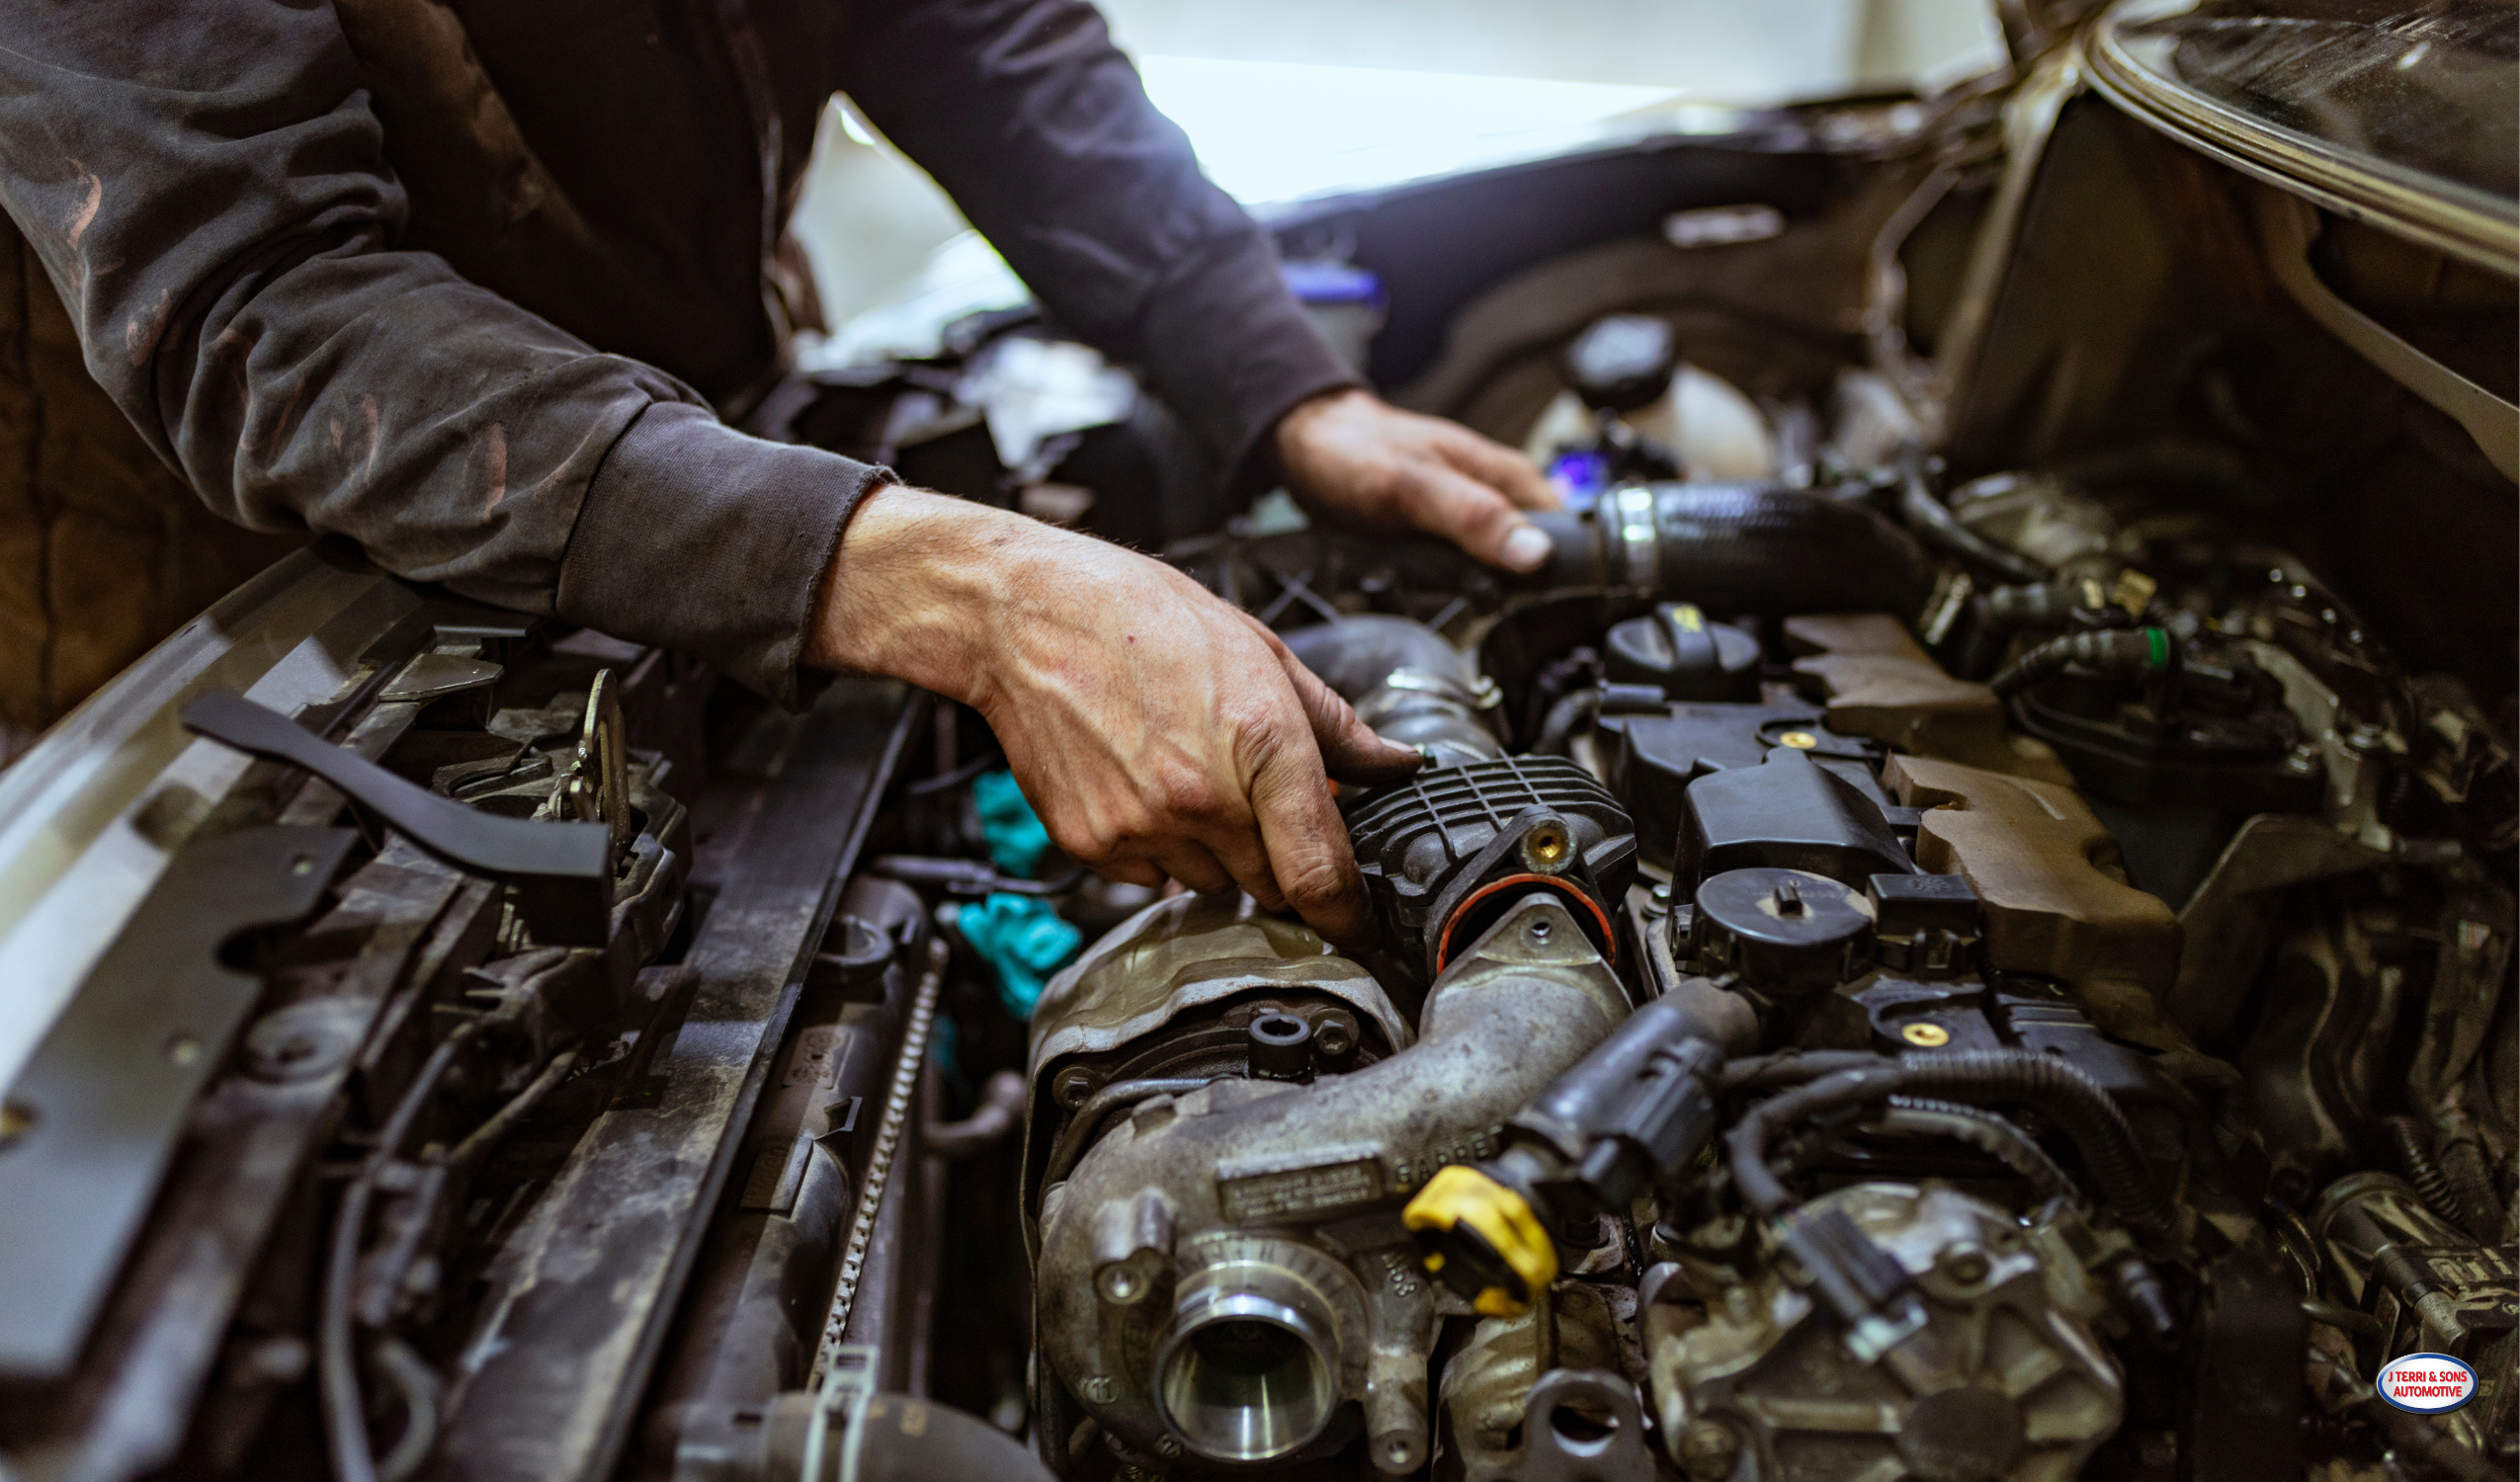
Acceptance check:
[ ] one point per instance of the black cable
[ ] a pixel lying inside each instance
(2411, 1142)
(1936, 525)
(1989, 1132)
(337, 1361)
(2111, 650)
(2060, 1091)
(930, 785)
(1571, 710)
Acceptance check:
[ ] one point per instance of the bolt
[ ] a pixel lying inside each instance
(1964, 1263)
(1073, 1087)
(1334, 1036)
(1925, 1036)
(1707, 1450)
(1547, 845)
(1799, 741)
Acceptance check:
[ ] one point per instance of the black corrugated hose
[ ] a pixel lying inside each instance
(2063, 1094)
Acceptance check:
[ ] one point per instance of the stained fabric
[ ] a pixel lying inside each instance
(472, 284)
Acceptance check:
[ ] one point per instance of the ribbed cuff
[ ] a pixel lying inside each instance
(1230, 351)
(701, 539)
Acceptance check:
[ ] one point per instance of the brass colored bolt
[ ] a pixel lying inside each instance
(1925, 1036)
(1800, 740)
(1547, 845)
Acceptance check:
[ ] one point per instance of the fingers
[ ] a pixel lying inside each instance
(1501, 468)
(1195, 866)
(1349, 751)
(1309, 854)
(1474, 517)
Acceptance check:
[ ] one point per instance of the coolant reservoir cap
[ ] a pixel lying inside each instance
(1786, 932)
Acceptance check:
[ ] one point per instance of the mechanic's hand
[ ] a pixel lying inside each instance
(1353, 457)
(1156, 730)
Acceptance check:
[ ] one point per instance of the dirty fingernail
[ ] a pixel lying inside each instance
(1526, 548)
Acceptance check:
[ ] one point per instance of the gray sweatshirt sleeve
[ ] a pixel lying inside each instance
(206, 187)
(1039, 127)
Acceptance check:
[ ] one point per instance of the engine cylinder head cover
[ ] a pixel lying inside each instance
(1788, 933)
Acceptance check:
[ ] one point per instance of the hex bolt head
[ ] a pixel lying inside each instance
(1962, 1262)
(1707, 1450)
(1074, 1087)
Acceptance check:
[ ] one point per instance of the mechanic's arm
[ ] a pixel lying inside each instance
(1036, 126)
(206, 187)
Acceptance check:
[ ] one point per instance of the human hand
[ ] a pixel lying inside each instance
(1353, 457)
(1157, 731)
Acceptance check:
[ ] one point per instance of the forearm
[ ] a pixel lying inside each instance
(1025, 112)
(207, 191)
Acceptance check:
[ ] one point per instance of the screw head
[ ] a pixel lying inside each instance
(1799, 741)
(1073, 1087)
(1964, 1263)
(1925, 1036)
(1708, 1450)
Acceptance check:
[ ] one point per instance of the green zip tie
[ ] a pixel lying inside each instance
(2160, 641)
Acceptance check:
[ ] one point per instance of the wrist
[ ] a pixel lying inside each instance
(1297, 425)
(917, 586)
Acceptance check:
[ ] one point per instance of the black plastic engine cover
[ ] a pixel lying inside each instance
(1653, 757)
(1790, 813)
(1429, 847)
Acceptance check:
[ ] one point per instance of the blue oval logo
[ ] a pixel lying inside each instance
(2426, 1383)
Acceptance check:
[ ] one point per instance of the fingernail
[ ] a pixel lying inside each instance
(1526, 548)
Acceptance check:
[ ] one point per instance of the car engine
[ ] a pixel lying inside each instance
(1923, 946)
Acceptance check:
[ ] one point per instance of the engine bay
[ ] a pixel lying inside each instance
(1918, 950)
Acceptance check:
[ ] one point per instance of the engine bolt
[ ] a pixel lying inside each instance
(1334, 1034)
(1074, 1086)
(1800, 740)
(1707, 1452)
(1964, 1263)
(1925, 1036)
(1547, 845)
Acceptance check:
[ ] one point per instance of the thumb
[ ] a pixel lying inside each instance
(1476, 518)
(1349, 751)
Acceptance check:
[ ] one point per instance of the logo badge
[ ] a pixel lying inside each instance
(2426, 1383)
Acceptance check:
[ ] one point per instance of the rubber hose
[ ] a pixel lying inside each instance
(2112, 650)
(2059, 1091)
(2409, 1140)
(1988, 1132)
(1742, 549)
(2463, 1167)
(2064, 1095)
(1937, 525)
(1571, 712)
(1435, 706)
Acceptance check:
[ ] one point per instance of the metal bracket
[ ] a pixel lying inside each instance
(848, 1379)
(1553, 1451)
(562, 872)
(88, 1129)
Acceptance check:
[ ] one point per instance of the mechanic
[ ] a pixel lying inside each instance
(482, 287)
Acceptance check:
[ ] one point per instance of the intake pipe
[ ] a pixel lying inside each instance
(1737, 549)
(1406, 682)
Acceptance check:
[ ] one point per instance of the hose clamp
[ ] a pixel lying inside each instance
(1632, 506)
